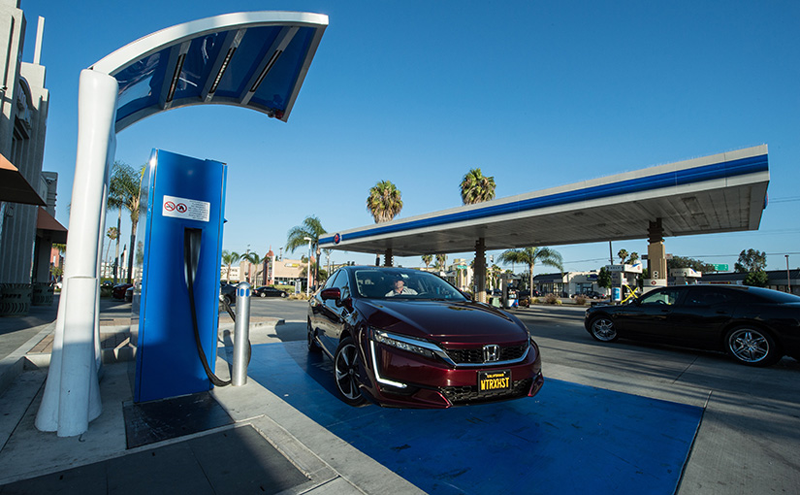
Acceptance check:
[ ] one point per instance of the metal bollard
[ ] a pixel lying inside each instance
(241, 335)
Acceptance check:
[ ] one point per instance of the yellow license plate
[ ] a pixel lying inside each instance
(492, 381)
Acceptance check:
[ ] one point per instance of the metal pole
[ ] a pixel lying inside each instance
(308, 268)
(788, 278)
(241, 334)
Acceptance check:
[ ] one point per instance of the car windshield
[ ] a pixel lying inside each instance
(377, 283)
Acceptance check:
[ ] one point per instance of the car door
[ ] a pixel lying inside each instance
(321, 316)
(700, 318)
(338, 310)
(648, 317)
(331, 312)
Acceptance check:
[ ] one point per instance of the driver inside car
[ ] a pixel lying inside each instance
(400, 289)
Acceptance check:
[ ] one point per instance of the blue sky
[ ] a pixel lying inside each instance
(536, 94)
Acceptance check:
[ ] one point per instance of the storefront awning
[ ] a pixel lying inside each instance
(14, 188)
(48, 226)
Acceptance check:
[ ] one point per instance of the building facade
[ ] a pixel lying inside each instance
(27, 195)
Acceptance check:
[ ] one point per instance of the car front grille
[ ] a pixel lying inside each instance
(470, 395)
(475, 356)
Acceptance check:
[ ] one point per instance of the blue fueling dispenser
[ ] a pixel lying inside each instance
(176, 295)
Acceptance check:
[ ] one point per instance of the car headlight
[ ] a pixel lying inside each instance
(404, 343)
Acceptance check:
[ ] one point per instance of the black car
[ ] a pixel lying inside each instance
(118, 291)
(265, 291)
(227, 293)
(755, 326)
(590, 294)
(407, 338)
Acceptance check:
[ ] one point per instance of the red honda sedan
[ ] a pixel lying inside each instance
(406, 338)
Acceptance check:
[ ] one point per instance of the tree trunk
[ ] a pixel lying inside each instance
(132, 253)
(530, 288)
(116, 250)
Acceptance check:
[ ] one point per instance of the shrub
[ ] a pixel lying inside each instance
(551, 299)
(580, 300)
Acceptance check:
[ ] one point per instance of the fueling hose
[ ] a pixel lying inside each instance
(191, 257)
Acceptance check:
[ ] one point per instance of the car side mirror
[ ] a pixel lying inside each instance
(330, 293)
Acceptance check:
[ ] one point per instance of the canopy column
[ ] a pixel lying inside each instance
(388, 258)
(480, 270)
(656, 253)
(72, 394)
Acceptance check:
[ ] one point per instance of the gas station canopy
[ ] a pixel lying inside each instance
(718, 193)
(256, 60)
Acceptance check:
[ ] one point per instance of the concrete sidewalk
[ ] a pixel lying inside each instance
(265, 446)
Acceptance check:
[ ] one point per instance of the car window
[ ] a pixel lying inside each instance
(663, 297)
(331, 280)
(376, 283)
(342, 283)
(710, 296)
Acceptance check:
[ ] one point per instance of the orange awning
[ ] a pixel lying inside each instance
(13, 186)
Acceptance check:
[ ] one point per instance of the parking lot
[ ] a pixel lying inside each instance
(748, 432)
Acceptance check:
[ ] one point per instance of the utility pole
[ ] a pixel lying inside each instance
(788, 278)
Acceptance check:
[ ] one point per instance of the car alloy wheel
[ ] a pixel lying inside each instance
(310, 341)
(263, 294)
(603, 329)
(752, 346)
(345, 368)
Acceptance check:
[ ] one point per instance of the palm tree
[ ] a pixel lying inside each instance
(530, 256)
(124, 188)
(311, 228)
(253, 258)
(229, 258)
(384, 201)
(494, 273)
(476, 188)
(441, 261)
(315, 268)
(113, 234)
(427, 259)
(622, 254)
(115, 202)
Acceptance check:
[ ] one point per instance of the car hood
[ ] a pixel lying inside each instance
(444, 321)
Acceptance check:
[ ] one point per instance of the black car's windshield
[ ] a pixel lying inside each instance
(381, 283)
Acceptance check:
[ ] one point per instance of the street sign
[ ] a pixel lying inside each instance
(720, 268)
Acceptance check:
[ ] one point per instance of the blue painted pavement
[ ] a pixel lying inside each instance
(570, 438)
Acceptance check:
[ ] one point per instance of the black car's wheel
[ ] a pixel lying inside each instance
(263, 294)
(312, 344)
(283, 294)
(345, 368)
(752, 346)
(602, 329)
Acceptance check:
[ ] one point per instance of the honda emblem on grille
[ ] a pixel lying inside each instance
(491, 353)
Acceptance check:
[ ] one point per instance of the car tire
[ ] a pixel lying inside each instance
(345, 369)
(283, 294)
(602, 329)
(752, 346)
(313, 346)
(263, 294)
